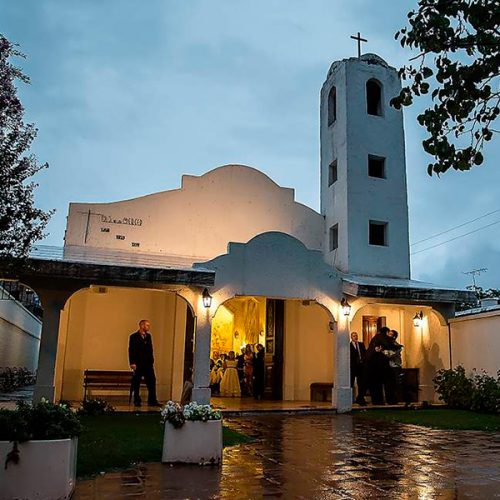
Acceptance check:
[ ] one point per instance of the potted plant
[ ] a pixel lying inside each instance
(193, 434)
(38, 446)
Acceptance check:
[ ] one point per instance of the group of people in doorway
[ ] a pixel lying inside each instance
(378, 369)
(239, 375)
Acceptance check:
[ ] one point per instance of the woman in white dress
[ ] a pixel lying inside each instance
(230, 383)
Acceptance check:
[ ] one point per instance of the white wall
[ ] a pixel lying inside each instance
(308, 349)
(357, 198)
(20, 333)
(475, 341)
(95, 329)
(231, 203)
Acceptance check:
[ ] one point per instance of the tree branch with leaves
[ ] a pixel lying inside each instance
(459, 65)
(21, 222)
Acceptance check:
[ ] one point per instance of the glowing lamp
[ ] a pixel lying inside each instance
(346, 307)
(207, 298)
(418, 318)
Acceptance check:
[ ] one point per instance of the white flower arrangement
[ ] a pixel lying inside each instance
(176, 414)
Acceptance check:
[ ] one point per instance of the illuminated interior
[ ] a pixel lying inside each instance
(238, 322)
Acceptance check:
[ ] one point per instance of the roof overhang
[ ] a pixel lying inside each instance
(55, 274)
(402, 290)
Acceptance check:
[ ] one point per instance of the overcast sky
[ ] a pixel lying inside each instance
(130, 95)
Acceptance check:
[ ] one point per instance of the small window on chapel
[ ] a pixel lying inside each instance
(378, 233)
(334, 237)
(376, 166)
(332, 172)
(332, 105)
(373, 98)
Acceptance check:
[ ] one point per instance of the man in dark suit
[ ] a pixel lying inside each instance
(358, 357)
(141, 359)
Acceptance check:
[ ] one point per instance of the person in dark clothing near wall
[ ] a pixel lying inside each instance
(141, 359)
(377, 365)
(258, 372)
(358, 357)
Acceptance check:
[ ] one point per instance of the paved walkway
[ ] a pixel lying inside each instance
(323, 457)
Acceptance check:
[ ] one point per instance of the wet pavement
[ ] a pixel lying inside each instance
(323, 457)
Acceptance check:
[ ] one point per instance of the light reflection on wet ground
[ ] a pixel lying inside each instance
(324, 457)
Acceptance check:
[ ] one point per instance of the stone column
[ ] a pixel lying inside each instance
(53, 302)
(202, 337)
(342, 392)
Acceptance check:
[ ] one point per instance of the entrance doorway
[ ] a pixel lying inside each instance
(239, 325)
(273, 360)
(371, 325)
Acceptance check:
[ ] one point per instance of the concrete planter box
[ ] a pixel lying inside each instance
(46, 470)
(193, 443)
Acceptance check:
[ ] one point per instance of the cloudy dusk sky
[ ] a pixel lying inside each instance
(129, 95)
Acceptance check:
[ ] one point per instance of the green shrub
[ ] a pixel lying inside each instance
(95, 406)
(41, 421)
(486, 395)
(477, 391)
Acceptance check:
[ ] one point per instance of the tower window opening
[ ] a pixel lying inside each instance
(378, 233)
(376, 166)
(332, 106)
(373, 98)
(334, 237)
(332, 172)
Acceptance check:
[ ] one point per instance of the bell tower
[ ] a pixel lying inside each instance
(363, 169)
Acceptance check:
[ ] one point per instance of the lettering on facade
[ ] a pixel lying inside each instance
(104, 229)
(120, 237)
(129, 221)
(135, 244)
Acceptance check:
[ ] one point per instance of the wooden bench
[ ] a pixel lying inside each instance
(321, 391)
(106, 379)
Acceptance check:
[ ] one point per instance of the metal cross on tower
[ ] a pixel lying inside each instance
(359, 39)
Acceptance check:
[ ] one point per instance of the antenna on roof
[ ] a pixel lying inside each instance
(474, 273)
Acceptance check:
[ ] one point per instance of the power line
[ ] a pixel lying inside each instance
(456, 237)
(456, 227)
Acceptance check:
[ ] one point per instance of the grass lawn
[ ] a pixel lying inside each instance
(119, 440)
(438, 418)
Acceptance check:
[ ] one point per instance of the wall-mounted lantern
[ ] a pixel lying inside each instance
(207, 298)
(418, 319)
(346, 307)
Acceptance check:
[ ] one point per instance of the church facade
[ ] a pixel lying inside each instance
(279, 273)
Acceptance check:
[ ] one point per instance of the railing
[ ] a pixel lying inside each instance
(115, 257)
(14, 290)
(15, 378)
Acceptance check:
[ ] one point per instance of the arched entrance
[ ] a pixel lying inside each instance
(426, 344)
(297, 336)
(95, 326)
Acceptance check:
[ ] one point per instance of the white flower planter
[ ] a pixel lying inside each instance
(46, 470)
(193, 443)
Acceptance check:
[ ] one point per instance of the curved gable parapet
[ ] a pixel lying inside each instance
(274, 264)
(232, 203)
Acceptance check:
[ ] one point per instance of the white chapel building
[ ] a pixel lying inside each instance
(278, 271)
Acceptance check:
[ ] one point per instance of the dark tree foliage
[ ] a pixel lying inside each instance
(21, 223)
(458, 63)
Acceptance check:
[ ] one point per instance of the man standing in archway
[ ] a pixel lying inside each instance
(141, 359)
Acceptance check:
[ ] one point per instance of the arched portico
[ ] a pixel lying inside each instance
(426, 345)
(276, 265)
(55, 280)
(95, 325)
